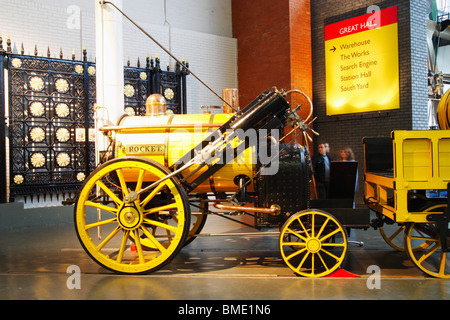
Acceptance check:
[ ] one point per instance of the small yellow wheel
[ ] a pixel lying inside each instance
(393, 235)
(313, 243)
(157, 222)
(431, 260)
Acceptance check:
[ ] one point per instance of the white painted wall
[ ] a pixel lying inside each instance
(200, 31)
(443, 59)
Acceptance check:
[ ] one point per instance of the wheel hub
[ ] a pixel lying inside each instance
(130, 218)
(313, 245)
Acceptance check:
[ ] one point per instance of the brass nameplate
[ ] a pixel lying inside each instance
(148, 149)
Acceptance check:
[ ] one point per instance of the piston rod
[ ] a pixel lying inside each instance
(274, 209)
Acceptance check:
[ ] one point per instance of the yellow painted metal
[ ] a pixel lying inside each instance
(105, 223)
(166, 139)
(421, 162)
(313, 243)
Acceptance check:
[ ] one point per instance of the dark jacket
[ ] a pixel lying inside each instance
(318, 165)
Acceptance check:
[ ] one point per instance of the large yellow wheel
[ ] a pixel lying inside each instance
(157, 222)
(431, 260)
(313, 243)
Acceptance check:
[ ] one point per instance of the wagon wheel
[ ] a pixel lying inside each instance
(432, 260)
(105, 222)
(313, 243)
(394, 235)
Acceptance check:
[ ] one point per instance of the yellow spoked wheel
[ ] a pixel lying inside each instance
(431, 260)
(313, 243)
(157, 222)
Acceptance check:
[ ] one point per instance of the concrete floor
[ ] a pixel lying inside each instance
(34, 262)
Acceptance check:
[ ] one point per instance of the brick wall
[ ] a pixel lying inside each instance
(274, 47)
(301, 53)
(349, 130)
(262, 32)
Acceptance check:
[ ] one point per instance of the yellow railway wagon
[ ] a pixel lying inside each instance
(407, 180)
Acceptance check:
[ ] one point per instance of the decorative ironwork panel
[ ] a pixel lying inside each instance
(50, 114)
(51, 117)
(141, 82)
(136, 90)
(170, 89)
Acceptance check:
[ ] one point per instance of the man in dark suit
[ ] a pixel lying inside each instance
(321, 169)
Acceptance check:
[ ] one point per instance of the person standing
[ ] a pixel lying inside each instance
(347, 154)
(321, 169)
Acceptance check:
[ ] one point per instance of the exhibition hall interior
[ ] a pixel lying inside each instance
(242, 153)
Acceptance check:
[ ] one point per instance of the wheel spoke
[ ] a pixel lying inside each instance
(101, 207)
(296, 234)
(313, 263)
(323, 227)
(443, 263)
(100, 223)
(302, 262)
(329, 235)
(152, 194)
(140, 181)
(137, 241)
(313, 224)
(396, 233)
(330, 244)
(123, 245)
(109, 193)
(158, 245)
(161, 224)
(122, 182)
(323, 261)
(295, 254)
(301, 224)
(108, 238)
(291, 244)
(162, 208)
(427, 254)
(330, 254)
(424, 239)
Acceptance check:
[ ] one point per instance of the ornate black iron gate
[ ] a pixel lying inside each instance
(47, 118)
